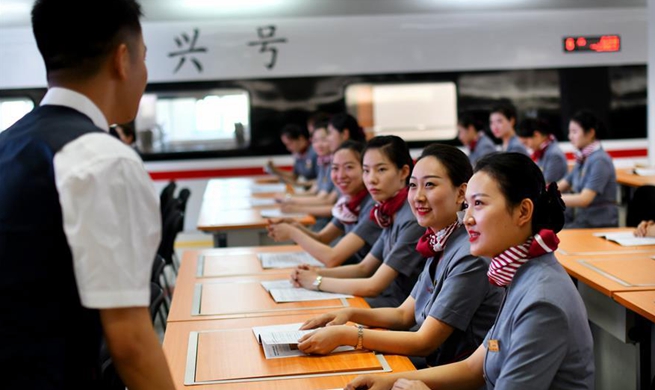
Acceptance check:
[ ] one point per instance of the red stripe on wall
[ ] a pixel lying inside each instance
(209, 173)
(619, 153)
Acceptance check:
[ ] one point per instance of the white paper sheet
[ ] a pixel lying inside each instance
(287, 260)
(277, 213)
(645, 171)
(626, 238)
(279, 341)
(262, 188)
(300, 295)
(262, 202)
(282, 283)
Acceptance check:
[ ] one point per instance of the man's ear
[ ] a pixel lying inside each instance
(121, 61)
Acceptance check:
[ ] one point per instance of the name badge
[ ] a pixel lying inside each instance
(493, 345)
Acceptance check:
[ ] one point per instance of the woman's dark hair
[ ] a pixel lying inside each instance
(518, 178)
(353, 146)
(343, 121)
(321, 125)
(528, 126)
(394, 148)
(294, 131)
(588, 120)
(507, 109)
(466, 120)
(458, 167)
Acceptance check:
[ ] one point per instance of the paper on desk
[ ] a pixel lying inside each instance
(301, 294)
(287, 260)
(626, 238)
(261, 188)
(645, 171)
(277, 213)
(280, 341)
(282, 283)
(262, 202)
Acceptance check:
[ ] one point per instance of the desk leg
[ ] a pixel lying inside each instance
(220, 240)
(641, 333)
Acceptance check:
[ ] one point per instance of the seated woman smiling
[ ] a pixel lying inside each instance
(452, 303)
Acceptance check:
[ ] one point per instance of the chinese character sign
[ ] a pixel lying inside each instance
(188, 46)
(267, 41)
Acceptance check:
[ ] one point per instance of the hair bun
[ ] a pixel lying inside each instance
(553, 197)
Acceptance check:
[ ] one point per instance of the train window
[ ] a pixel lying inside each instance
(414, 111)
(189, 121)
(12, 109)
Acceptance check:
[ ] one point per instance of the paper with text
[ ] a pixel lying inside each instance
(281, 295)
(626, 238)
(287, 260)
(277, 213)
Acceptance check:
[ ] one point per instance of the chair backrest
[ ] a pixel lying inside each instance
(166, 195)
(173, 224)
(156, 299)
(158, 266)
(183, 198)
(641, 206)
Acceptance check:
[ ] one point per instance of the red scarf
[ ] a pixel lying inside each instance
(347, 208)
(473, 144)
(539, 153)
(431, 243)
(581, 155)
(382, 213)
(504, 266)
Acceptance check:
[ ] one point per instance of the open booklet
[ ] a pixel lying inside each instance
(287, 260)
(645, 171)
(277, 213)
(626, 238)
(279, 341)
(283, 291)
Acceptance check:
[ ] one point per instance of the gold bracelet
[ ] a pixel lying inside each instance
(360, 337)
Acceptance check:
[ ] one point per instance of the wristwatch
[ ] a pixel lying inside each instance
(317, 282)
(360, 337)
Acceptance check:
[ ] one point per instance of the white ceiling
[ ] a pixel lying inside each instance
(16, 12)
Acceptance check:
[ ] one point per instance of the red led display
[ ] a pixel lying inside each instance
(601, 44)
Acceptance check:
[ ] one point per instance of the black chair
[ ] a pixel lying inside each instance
(157, 298)
(158, 275)
(173, 224)
(642, 206)
(166, 195)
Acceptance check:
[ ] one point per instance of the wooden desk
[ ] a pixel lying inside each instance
(203, 298)
(627, 177)
(610, 274)
(176, 349)
(228, 214)
(641, 302)
(582, 242)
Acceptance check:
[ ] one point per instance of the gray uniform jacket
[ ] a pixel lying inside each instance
(364, 228)
(543, 337)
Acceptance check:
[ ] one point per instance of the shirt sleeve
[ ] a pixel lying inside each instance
(403, 257)
(367, 230)
(464, 289)
(338, 224)
(555, 168)
(111, 220)
(597, 175)
(538, 347)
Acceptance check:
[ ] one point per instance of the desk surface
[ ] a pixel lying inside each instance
(641, 302)
(205, 298)
(611, 274)
(582, 242)
(226, 205)
(627, 177)
(176, 347)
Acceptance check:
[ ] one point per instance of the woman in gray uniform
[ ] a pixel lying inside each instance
(452, 305)
(591, 202)
(390, 270)
(541, 338)
(471, 134)
(350, 215)
(502, 121)
(535, 134)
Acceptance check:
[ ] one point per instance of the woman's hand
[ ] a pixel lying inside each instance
(307, 273)
(371, 382)
(325, 340)
(279, 232)
(405, 384)
(328, 319)
(645, 229)
(288, 208)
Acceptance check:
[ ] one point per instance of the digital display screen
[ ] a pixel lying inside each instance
(598, 44)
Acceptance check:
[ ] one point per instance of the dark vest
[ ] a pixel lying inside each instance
(47, 339)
